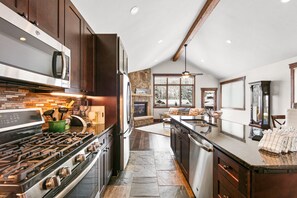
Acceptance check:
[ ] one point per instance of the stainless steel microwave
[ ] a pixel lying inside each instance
(29, 55)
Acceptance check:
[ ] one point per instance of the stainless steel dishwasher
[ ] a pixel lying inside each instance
(201, 166)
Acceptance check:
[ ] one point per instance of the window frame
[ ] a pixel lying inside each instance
(180, 85)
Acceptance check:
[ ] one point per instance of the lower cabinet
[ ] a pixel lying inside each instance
(180, 145)
(230, 178)
(106, 159)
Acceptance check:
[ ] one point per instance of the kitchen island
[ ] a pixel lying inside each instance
(239, 168)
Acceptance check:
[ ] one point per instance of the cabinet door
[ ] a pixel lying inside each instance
(102, 170)
(19, 6)
(88, 67)
(178, 146)
(73, 32)
(185, 151)
(48, 16)
(109, 161)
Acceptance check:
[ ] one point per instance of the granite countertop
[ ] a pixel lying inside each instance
(234, 139)
(97, 129)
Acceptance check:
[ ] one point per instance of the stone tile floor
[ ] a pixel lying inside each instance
(149, 174)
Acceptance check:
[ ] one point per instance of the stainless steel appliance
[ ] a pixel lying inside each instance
(36, 164)
(125, 120)
(201, 166)
(29, 55)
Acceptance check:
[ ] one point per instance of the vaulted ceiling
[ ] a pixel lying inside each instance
(238, 35)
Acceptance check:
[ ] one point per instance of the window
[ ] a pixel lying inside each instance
(171, 90)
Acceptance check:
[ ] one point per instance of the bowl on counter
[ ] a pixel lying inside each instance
(57, 126)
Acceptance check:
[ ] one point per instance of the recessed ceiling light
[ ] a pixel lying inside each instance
(228, 41)
(285, 1)
(160, 41)
(156, 60)
(202, 60)
(23, 39)
(134, 10)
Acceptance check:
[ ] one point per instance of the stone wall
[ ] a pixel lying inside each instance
(142, 80)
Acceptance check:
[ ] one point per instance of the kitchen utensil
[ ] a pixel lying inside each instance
(57, 126)
(62, 110)
(49, 113)
(84, 106)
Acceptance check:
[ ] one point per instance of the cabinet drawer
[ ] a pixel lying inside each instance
(232, 171)
(226, 189)
(109, 136)
(102, 141)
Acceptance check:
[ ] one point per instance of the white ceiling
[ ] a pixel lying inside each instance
(261, 31)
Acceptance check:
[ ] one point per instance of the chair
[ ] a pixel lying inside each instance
(291, 118)
(278, 120)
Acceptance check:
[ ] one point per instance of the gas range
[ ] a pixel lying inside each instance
(37, 164)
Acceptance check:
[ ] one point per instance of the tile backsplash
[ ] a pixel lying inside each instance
(16, 98)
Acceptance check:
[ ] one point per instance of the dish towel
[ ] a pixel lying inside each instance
(279, 140)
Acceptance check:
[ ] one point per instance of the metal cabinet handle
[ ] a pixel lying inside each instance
(227, 167)
(23, 15)
(199, 144)
(226, 196)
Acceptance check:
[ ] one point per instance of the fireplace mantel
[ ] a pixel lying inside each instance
(141, 95)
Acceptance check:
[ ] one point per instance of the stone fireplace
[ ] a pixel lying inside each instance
(140, 109)
(142, 102)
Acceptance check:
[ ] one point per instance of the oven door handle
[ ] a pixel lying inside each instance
(70, 186)
(208, 149)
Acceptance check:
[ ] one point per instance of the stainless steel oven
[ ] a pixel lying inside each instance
(86, 184)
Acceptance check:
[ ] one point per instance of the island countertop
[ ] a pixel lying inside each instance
(234, 139)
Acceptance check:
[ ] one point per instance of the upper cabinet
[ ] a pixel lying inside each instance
(73, 40)
(47, 15)
(110, 61)
(88, 56)
(19, 6)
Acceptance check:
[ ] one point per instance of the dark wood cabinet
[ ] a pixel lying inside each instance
(73, 40)
(19, 6)
(106, 158)
(47, 15)
(230, 178)
(180, 145)
(88, 59)
(109, 63)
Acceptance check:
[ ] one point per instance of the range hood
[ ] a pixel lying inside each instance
(26, 54)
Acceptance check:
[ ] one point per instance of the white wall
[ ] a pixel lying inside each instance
(170, 67)
(279, 74)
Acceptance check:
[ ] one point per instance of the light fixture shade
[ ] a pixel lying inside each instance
(186, 74)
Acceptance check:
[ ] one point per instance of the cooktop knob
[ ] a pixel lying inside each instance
(64, 172)
(51, 183)
(80, 158)
(92, 148)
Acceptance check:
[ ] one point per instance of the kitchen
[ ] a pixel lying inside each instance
(84, 69)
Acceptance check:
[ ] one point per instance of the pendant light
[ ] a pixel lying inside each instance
(186, 74)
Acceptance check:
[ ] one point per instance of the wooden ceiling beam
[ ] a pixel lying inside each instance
(201, 18)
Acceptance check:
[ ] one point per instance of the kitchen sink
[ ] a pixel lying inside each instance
(197, 122)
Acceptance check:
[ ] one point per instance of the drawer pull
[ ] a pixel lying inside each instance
(226, 196)
(227, 167)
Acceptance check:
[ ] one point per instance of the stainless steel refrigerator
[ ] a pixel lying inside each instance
(125, 119)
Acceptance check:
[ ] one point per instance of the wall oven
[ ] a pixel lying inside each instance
(29, 55)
